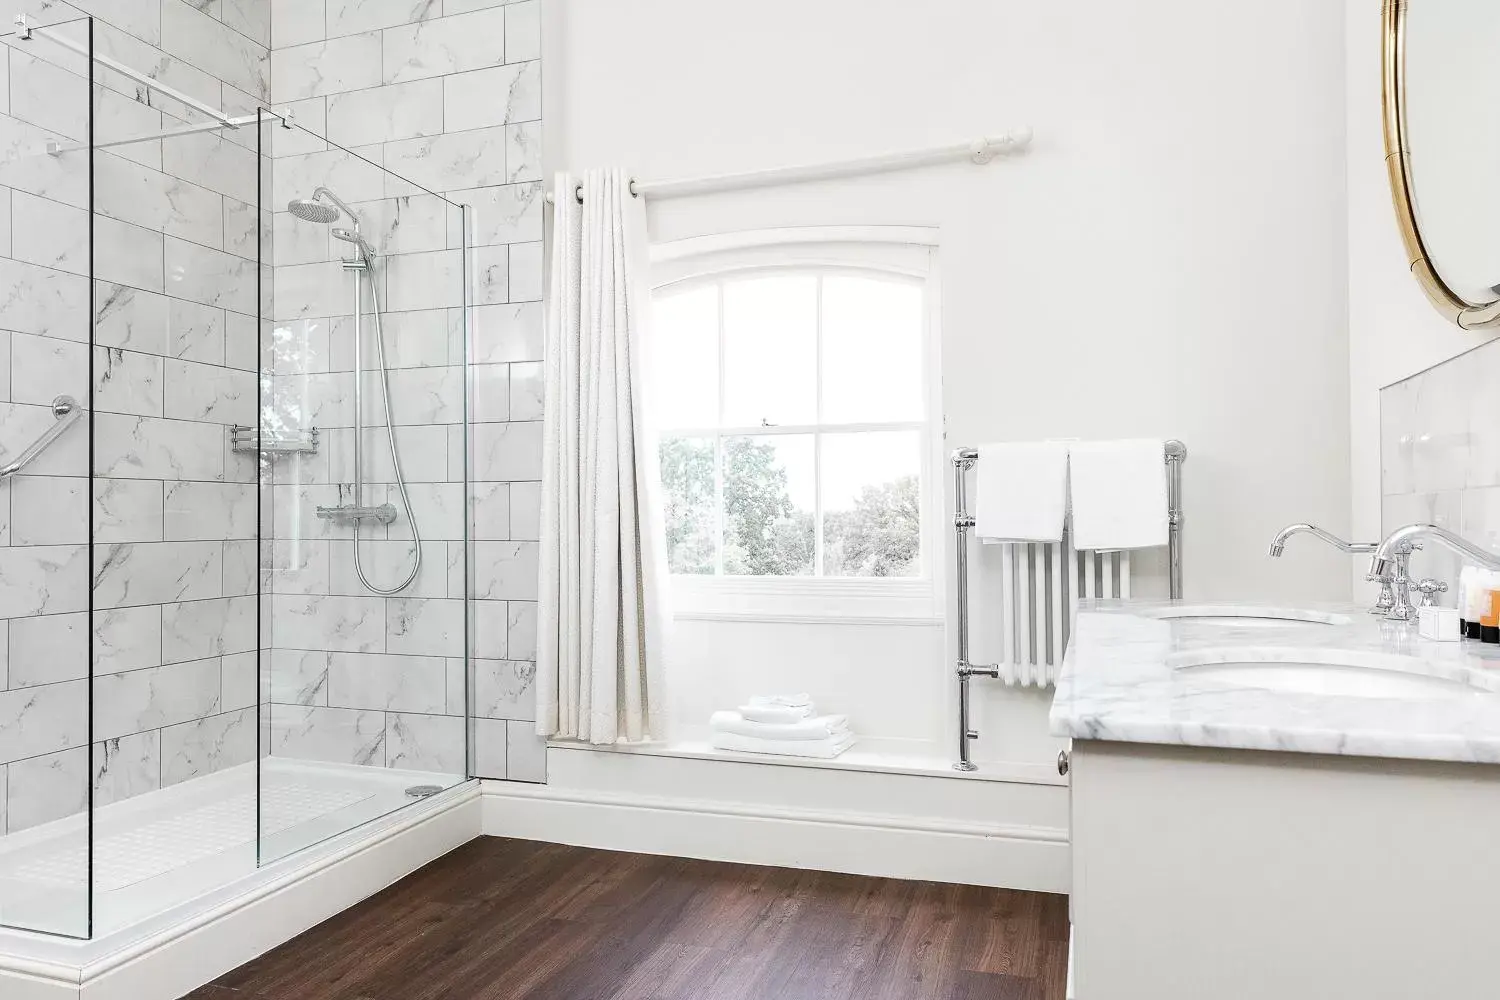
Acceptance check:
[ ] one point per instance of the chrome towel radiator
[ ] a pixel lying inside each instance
(1041, 582)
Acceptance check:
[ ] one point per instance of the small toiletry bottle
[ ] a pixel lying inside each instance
(1465, 586)
(1476, 602)
(1489, 621)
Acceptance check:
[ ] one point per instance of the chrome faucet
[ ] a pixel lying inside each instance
(1388, 554)
(1278, 544)
(1387, 601)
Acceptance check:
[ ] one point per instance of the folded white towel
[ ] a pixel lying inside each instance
(783, 700)
(1023, 492)
(1119, 491)
(776, 713)
(820, 728)
(823, 749)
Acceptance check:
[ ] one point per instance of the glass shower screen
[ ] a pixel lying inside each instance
(362, 457)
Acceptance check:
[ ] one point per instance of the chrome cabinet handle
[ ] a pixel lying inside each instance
(67, 412)
(1064, 763)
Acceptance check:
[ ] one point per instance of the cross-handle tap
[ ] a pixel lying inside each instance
(1389, 559)
(1429, 589)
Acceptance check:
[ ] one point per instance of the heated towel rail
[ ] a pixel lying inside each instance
(1039, 584)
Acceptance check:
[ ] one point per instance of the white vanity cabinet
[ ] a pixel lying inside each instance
(1252, 875)
(1240, 844)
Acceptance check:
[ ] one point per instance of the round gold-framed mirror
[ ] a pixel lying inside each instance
(1441, 154)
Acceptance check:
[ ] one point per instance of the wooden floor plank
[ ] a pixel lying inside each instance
(516, 920)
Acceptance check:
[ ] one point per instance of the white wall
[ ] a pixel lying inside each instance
(1168, 261)
(1393, 331)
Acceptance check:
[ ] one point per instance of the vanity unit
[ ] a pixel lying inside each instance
(1275, 803)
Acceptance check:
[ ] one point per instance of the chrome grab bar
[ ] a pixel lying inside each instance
(67, 412)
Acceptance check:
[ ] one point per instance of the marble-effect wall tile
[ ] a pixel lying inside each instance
(175, 234)
(445, 96)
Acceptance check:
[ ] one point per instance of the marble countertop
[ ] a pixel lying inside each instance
(1123, 680)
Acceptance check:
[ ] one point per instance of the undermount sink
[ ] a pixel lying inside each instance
(1341, 674)
(1251, 616)
(1321, 679)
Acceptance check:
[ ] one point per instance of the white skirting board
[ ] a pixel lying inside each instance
(858, 843)
(182, 958)
(1069, 993)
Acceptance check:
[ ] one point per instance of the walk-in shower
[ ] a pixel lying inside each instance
(228, 649)
(317, 210)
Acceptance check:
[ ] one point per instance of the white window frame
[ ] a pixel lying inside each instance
(910, 251)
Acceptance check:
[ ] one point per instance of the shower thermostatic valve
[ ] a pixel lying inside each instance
(351, 514)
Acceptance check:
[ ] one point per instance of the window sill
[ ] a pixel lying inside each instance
(871, 756)
(919, 621)
(807, 601)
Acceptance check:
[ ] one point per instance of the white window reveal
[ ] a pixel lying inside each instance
(794, 378)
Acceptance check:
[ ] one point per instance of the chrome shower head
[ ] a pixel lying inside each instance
(353, 236)
(314, 211)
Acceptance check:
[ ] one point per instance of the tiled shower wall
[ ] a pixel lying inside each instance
(174, 511)
(1440, 456)
(446, 93)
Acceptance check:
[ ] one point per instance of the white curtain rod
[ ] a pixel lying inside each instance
(981, 150)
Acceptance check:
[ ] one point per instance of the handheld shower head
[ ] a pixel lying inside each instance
(353, 236)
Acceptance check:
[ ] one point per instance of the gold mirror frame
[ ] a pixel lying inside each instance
(1469, 315)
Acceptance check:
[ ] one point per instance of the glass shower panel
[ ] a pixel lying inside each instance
(176, 235)
(363, 473)
(45, 557)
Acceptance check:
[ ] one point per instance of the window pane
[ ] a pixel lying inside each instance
(769, 503)
(687, 478)
(770, 351)
(872, 349)
(872, 509)
(685, 357)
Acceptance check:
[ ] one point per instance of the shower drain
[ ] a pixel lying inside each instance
(422, 791)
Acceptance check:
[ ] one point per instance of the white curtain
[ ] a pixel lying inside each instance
(600, 616)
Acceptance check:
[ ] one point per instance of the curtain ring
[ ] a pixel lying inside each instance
(578, 191)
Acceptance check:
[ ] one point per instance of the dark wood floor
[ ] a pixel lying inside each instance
(502, 919)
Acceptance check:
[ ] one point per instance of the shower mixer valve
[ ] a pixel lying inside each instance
(353, 514)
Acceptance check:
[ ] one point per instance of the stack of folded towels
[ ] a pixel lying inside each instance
(781, 724)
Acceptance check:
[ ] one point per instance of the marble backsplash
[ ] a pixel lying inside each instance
(1440, 456)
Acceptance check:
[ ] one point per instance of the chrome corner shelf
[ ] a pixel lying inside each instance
(249, 440)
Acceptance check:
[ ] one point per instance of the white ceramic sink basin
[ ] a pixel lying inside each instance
(1332, 680)
(1250, 616)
